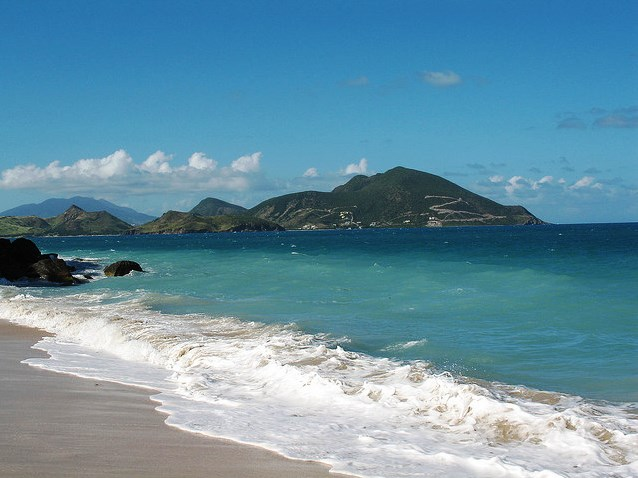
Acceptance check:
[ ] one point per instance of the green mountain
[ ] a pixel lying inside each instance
(73, 222)
(216, 207)
(174, 222)
(400, 197)
(77, 222)
(15, 226)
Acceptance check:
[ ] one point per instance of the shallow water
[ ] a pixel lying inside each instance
(417, 352)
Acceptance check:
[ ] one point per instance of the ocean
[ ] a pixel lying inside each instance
(472, 351)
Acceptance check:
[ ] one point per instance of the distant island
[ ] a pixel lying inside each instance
(56, 206)
(400, 197)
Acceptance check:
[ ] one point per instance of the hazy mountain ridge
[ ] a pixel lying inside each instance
(56, 206)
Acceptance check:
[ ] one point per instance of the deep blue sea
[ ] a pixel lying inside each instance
(476, 351)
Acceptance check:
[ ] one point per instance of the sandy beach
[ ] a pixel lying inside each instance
(57, 425)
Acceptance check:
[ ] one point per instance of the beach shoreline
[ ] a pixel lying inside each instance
(56, 425)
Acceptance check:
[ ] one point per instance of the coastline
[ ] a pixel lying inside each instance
(58, 425)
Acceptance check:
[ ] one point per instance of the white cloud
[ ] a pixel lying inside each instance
(118, 173)
(518, 185)
(200, 162)
(311, 173)
(441, 78)
(586, 182)
(247, 164)
(84, 171)
(113, 165)
(515, 183)
(356, 168)
(557, 199)
(544, 180)
(522, 189)
(157, 163)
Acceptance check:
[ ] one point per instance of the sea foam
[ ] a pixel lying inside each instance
(306, 396)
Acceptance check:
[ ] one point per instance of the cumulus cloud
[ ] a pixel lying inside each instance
(200, 162)
(356, 168)
(118, 172)
(247, 164)
(584, 199)
(311, 173)
(441, 78)
(30, 176)
(519, 183)
(157, 163)
(515, 183)
(541, 181)
(517, 187)
(586, 182)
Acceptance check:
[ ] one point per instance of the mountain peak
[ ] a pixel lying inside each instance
(400, 197)
(216, 207)
(76, 221)
(73, 211)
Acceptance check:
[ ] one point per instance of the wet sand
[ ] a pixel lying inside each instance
(58, 425)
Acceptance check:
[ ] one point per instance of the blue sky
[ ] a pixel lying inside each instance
(158, 104)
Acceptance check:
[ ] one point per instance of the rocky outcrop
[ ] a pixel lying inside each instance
(54, 270)
(21, 259)
(121, 268)
(24, 251)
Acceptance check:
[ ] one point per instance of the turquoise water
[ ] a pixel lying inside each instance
(496, 351)
(552, 307)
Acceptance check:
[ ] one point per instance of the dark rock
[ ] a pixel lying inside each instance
(10, 269)
(5, 245)
(21, 259)
(16, 257)
(121, 268)
(52, 270)
(24, 251)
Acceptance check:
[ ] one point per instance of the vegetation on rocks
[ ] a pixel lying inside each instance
(174, 222)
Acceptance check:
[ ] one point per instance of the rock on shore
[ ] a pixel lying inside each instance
(121, 268)
(21, 259)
